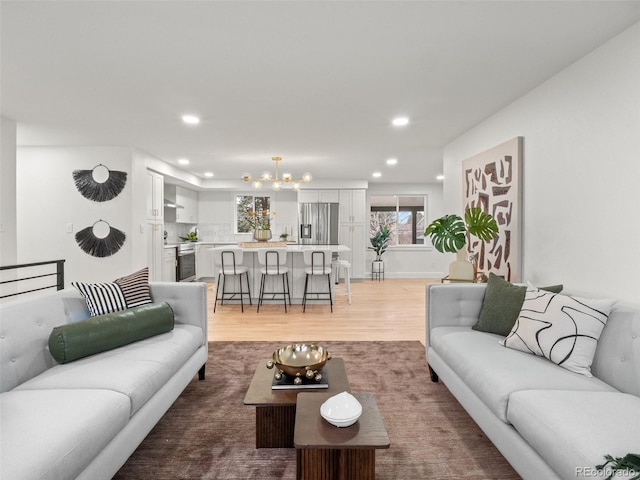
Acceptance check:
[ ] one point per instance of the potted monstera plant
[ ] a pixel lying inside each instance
(449, 234)
(379, 243)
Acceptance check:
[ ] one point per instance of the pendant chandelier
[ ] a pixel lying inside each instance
(287, 180)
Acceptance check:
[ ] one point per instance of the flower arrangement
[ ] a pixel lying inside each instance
(259, 220)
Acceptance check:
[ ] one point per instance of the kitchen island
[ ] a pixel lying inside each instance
(295, 262)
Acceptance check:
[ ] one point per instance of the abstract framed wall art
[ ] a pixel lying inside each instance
(492, 180)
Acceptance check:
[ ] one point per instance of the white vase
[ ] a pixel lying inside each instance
(461, 268)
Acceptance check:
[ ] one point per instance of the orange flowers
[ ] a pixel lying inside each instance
(259, 222)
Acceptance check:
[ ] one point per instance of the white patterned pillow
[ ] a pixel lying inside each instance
(560, 328)
(126, 292)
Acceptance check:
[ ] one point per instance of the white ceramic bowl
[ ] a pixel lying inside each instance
(341, 410)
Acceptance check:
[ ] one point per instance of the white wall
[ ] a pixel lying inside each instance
(47, 201)
(217, 214)
(8, 236)
(413, 261)
(581, 133)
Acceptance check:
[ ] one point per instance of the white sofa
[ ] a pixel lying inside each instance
(83, 419)
(548, 422)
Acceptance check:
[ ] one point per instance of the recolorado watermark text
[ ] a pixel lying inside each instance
(592, 472)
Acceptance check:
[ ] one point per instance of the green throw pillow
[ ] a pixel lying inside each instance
(112, 330)
(502, 304)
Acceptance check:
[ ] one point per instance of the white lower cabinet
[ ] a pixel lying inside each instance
(169, 265)
(204, 263)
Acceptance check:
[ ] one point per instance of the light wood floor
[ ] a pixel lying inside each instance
(393, 309)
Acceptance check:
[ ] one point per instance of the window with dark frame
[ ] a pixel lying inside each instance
(403, 214)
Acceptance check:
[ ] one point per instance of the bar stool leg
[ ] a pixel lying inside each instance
(330, 295)
(304, 297)
(288, 289)
(241, 294)
(261, 292)
(284, 293)
(215, 303)
(248, 286)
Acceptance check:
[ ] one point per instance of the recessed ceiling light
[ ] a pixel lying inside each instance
(190, 119)
(400, 121)
(392, 161)
(208, 174)
(183, 161)
(376, 174)
(440, 177)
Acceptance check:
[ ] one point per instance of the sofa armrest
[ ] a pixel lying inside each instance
(187, 299)
(453, 305)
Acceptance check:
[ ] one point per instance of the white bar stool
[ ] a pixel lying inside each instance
(318, 262)
(342, 267)
(228, 263)
(273, 263)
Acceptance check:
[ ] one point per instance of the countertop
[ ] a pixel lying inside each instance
(177, 244)
(294, 248)
(291, 247)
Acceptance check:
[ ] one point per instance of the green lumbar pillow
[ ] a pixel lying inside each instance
(502, 304)
(112, 330)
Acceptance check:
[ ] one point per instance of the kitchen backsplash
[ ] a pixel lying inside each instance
(207, 232)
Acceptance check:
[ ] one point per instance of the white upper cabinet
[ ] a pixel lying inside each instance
(188, 200)
(315, 196)
(353, 206)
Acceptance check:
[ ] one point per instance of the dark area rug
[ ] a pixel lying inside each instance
(210, 434)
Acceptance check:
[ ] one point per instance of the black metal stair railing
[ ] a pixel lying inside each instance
(33, 273)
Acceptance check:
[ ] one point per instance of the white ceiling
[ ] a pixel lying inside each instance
(316, 82)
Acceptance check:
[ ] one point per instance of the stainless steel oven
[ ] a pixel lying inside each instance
(186, 262)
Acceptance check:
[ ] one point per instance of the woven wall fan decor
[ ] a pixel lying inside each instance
(100, 239)
(99, 184)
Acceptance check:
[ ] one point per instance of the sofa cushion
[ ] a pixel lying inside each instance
(501, 305)
(494, 372)
(125, 292)
(137, 370)
(104, 332)
(55, 434)
(560, 328)
(573, 431)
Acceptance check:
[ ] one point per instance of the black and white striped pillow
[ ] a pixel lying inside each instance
(135, 288)
(126, 292)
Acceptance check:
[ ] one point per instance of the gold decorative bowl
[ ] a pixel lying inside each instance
(299, 361)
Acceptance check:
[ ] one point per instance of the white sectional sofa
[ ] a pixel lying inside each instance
(83, 419)
(548, 422)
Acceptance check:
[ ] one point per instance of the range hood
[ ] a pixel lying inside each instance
(170, 204)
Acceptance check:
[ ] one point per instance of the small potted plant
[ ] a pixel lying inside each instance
(379, 243)
(449, 234)
(191, 237)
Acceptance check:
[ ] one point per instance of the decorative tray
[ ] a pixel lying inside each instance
(287, 383)
(261, 244)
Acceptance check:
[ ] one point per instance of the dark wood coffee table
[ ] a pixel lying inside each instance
(276, 409)
(324, 451)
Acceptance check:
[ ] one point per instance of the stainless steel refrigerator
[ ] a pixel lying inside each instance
(319, 223)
